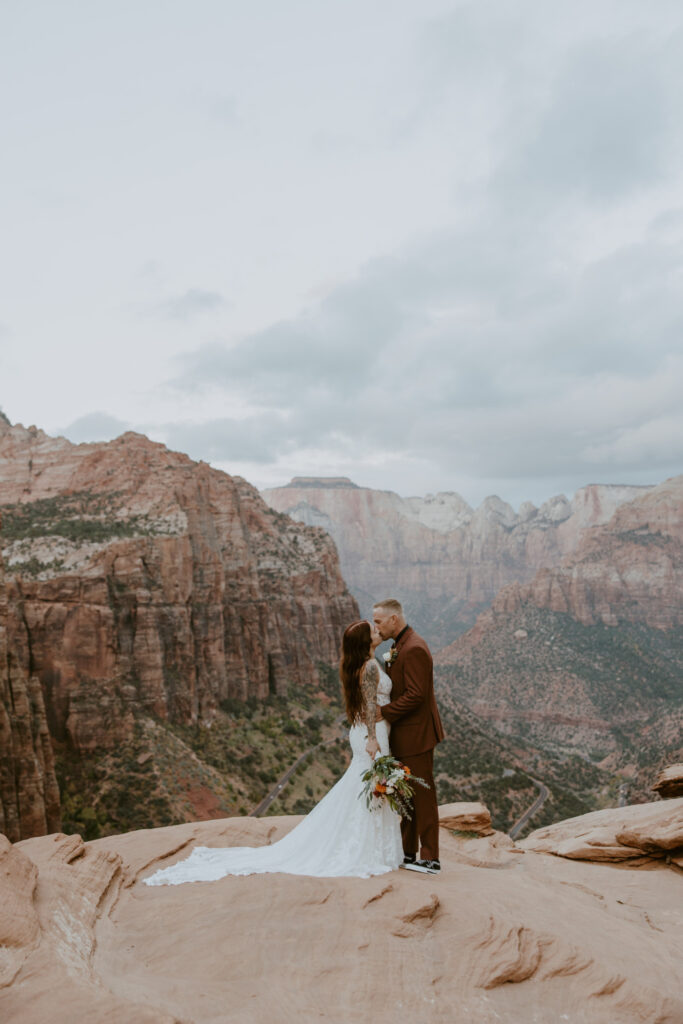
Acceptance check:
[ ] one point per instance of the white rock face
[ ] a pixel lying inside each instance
(555, 510)
(495, 510)
(595, 504)
(443, 559)
(527, 511)
(441, 512)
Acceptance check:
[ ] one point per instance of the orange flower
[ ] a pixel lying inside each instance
(380, 788)
(406, 769)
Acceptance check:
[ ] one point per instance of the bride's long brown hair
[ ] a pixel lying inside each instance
(355, 652)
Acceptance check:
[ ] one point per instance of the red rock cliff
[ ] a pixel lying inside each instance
(148, 582)
(628, 570)
(588, 655)
(29, 795)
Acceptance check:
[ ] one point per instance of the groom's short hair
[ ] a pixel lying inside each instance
(391, 605)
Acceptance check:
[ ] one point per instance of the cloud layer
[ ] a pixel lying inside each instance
(429, 248)
(538, 340)
(521, 368)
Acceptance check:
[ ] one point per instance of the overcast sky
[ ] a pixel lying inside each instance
(433, 246)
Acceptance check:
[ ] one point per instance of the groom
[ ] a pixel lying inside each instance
(415, 730)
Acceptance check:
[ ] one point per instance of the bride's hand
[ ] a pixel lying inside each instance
(372, 747)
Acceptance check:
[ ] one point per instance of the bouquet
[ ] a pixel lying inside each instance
(390, 780)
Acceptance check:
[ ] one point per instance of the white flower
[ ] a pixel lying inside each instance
(390, 789)
(387, 656)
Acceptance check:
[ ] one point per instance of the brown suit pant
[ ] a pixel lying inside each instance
(423, 828)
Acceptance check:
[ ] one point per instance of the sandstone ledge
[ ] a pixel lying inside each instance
(637, 833)
(496, 937)
(466, 817)
(669, 782)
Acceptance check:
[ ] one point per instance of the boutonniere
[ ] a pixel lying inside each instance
(390, 656)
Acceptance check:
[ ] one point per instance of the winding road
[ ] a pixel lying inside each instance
(543, 794)
(284, 779)
(260, 809)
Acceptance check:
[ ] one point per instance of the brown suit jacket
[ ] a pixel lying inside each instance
(415, 723)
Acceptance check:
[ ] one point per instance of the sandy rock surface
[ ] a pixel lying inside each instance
(669, 781)
(616, 834)
(501, 935)
(466, 816)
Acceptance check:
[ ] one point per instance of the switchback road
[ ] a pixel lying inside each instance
(284, 779)
(543, 794)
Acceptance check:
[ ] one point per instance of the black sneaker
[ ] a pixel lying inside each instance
(409, 860)
(428, 867)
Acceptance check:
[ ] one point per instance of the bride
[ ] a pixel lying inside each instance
(340, 836)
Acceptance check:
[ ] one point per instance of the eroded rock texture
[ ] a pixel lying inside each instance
(589, 655)
(29, 795)
(669, 782)
(627, 570)
(500, 936)
(445, 560)
(143, 583)
(641, 833)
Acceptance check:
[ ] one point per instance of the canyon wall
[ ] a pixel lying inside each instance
(151, 584)
(588, 656)
(29, 795)
(628, 570)
(443, 559)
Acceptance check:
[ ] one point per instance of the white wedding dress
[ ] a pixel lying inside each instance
(339, 837)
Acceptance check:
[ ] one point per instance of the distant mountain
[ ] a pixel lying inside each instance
(588, 657)
(443, 559)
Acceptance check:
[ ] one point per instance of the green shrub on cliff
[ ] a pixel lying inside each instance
(79, 518)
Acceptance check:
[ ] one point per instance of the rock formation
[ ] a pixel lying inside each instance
(636, 834)
(29, 795)
(628, 570)
(199, 592)
(587, 656)
(669, 782)
(466, 816)
(446, 560)
(505, 934)
(146, 584)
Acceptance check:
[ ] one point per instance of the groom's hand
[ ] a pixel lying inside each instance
(378, 713)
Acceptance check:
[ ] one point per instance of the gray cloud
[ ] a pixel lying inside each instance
(509, 347)
(257, 439)
(555, 105)
(606, 129)
(192, 303)
(494, 360)
(484, 220)
(95, 426)
(224, 110)
(320, 351)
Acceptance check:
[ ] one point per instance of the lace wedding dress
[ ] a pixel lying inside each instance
(339, 837)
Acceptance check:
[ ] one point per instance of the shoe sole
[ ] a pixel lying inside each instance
(418, 867)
